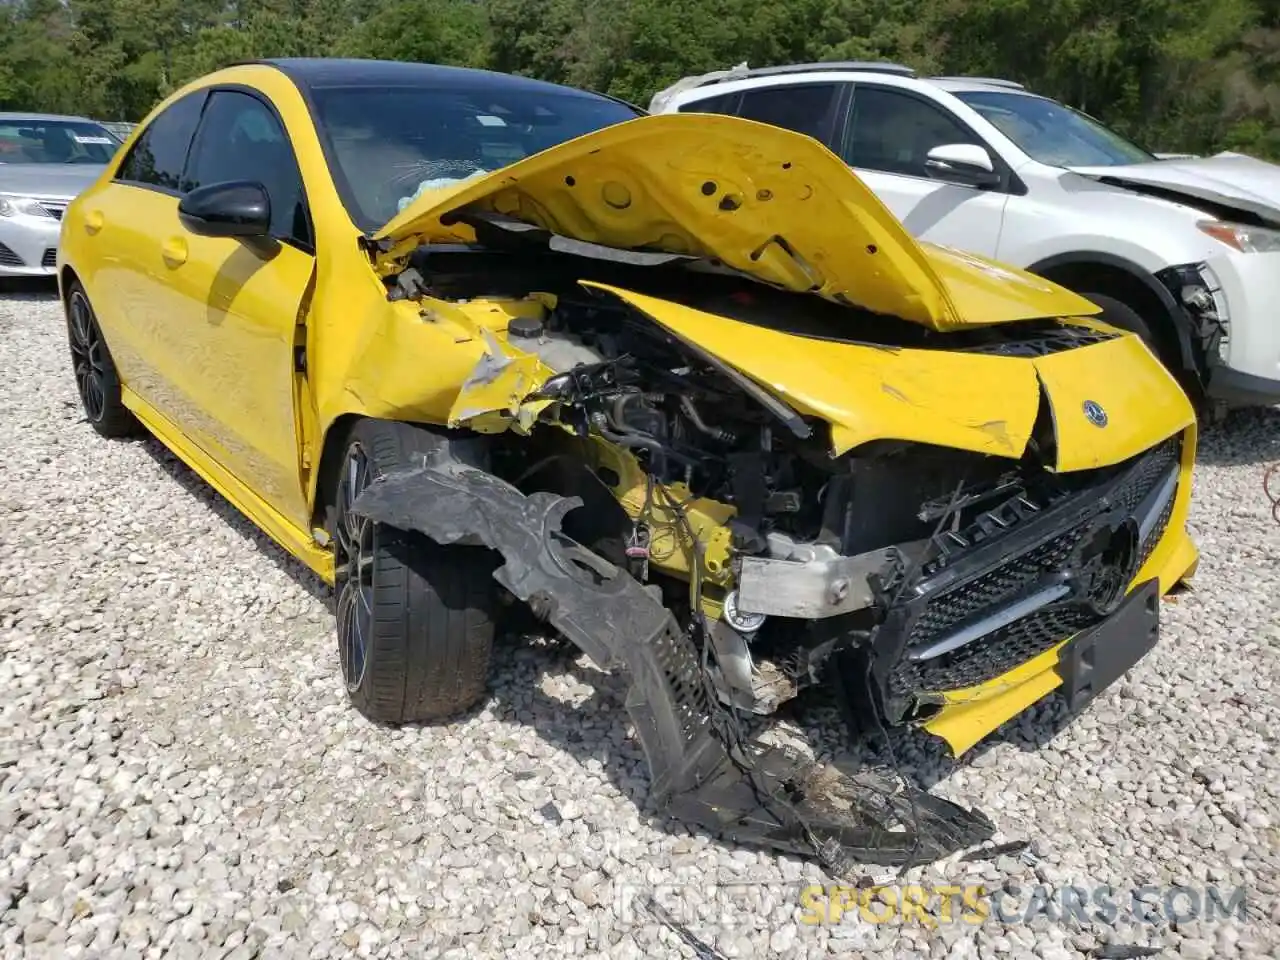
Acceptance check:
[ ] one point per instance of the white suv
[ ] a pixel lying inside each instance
(1185, 252)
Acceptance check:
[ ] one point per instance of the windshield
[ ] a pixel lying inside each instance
(55, 141)
(387, 144)
(1052, 133)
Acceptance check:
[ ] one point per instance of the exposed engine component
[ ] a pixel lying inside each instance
(741, 620)
(928, 573)
(561, 351)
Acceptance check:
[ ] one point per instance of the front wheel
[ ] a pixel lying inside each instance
(414, 618)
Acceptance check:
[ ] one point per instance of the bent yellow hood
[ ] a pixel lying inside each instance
(967, 401)
(768, 202)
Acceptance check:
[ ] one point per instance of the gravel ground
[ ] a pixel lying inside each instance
(180, 773)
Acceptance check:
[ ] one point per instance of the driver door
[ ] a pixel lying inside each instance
(238, 303)
(886, 139)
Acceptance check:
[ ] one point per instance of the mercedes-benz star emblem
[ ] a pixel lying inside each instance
(1094, 412)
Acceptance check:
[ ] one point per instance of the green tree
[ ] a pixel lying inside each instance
(428, 31)
(1196, 75)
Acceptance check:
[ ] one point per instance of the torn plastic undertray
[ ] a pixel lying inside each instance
(700, 770)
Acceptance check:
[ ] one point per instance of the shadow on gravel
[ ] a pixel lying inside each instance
(1249, 436)
(196, 486)
(920, 759)
(39, 289)
(594, 729)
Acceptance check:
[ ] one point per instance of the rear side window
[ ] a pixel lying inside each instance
(725, 103)
(805, 108)
(241, 139)
(160, 152)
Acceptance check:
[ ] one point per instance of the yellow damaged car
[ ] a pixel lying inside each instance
(469, 344)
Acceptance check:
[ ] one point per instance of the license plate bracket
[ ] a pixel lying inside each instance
(1094, 659)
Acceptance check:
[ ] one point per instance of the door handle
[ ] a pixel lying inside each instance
(174, 251)
(93, 221)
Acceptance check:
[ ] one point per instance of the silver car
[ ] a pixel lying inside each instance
(45, 160)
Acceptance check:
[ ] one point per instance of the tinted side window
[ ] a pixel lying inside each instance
(807, 109)
(160, 152)
(721, 104)
(894, 132)
(241, 139)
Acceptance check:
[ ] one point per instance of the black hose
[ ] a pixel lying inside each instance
(642, 441)
(691, 411)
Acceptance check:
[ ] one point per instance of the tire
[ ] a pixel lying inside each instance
(97, 381)
(415, 619)
(1121, 315)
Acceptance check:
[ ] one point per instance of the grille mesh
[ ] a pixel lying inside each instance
(679, 667)
(996, 654)
(50, 258)
(1004, 649)
(1054, 340)
(8, 258)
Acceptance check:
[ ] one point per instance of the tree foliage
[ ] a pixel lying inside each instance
(1177, 75)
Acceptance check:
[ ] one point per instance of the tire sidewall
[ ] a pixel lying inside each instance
(116, 419)
(404, 566)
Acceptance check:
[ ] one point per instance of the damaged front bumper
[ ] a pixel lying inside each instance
(1003, 599)
(972, 636)
(702, 769)
(976, 689)
(973, 640)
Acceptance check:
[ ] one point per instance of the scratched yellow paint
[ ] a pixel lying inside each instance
(1123, 377)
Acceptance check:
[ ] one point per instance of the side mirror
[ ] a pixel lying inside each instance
(962, 163)
(235, 208)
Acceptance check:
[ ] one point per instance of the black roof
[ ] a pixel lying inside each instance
(320, 72)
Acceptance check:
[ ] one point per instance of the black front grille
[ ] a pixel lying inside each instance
(1150, 469)
(1004, 649)
(50, 258)
(1157, 532)
(992, 588)
(1056, 339)
(992, 656)
(8, 258)
(54, 210)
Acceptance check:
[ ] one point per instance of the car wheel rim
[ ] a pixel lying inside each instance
(87, 358)
(354, 546)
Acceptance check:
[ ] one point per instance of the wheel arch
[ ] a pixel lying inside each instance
(66, 276)
(334, 443)
(325, 475)
(1106, 273)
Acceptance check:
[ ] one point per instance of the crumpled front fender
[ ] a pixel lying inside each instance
(492, 397)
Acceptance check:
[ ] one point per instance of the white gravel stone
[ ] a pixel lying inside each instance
(180, 773)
